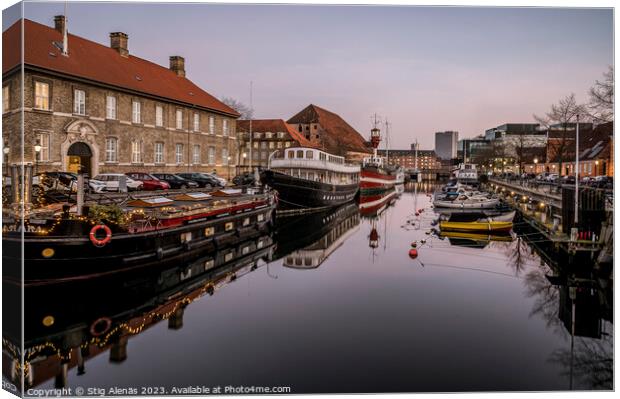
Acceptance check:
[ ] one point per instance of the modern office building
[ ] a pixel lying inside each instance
(446, 144)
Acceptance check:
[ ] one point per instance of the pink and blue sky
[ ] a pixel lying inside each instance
(426, 69)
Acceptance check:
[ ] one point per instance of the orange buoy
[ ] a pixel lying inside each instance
(413, 253)
(414, 244)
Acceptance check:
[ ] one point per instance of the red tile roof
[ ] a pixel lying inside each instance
(340, 137)
(273, 126)
(95, 62)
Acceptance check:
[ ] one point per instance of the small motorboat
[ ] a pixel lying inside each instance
(476, 223)
(466, 201)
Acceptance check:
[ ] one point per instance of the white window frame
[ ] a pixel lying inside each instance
(196, 122)
(211, 155)
(225, 127)
(42, 97)
(136, 108)
(159, 152)
(79, 102)
(110, 107)
(43, 139)
(179, 119)
(5, 98)
(196, 155)
(136, 151)
(225, 156)
(159, 116)
(212, 124)
(111, 149)
(178, 153)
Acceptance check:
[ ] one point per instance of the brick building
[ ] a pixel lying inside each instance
(268, 135)
(427, 159)
(595, 152)
(331, 133)
(101, 109)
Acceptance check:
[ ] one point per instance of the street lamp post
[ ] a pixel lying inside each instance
(5, 151)
(37, 150)
(535, 165)
(228, 166)
(596, 168)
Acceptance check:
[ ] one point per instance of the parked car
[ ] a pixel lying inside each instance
(203, 179)
(602, 182)
(111, 181)
(62, 181)
(568, 179)
(552, 177)
(176, 181)
(221, 180)
(244, 179)
(149, 181)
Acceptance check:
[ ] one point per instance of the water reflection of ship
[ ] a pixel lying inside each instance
(306, 241)
(65, 328)
(315, 254)
(374, 205)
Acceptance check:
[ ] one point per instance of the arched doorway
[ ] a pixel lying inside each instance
(79, 158)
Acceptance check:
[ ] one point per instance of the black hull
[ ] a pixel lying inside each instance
(295, 193)
(76, 258)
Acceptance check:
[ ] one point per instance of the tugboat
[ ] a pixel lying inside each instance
(64, 245)
(310, 178)
(376, 176)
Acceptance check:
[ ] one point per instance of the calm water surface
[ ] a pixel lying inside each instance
(464, 316)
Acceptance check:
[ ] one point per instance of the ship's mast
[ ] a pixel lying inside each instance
(387, 141)
(375, 136)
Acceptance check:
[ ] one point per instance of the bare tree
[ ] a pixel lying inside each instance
(601, 103)
(562, 114)
(245, 111)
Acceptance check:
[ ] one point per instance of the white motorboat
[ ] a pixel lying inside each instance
(464, 201)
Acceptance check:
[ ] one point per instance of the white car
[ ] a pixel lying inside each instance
(552, 177)
(222, 181)
(111, 181)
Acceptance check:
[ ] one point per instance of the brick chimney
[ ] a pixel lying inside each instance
(118, 41)
(59, 23)
(177, 64)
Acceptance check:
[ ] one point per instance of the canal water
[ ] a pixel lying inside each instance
(338, 305)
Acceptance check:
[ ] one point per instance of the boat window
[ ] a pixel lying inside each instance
(309, 154)
(300, 154)
(322, 156)
(291, 154)
(308, 261)
(310, 175)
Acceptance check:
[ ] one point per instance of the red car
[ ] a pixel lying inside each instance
(149, 182)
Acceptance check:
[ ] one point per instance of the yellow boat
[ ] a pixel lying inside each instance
(477, 226)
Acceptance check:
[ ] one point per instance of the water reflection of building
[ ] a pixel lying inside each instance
(67, 326)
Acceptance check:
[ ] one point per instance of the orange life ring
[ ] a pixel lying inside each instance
(100, 326)
(100, 242)
(413, 253)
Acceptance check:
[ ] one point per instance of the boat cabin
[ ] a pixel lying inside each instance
(315, 165)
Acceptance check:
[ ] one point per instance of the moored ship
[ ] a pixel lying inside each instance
(62, 246)
(376, 176)
(306, 177)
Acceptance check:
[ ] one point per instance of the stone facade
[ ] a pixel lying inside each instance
(64, 127)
